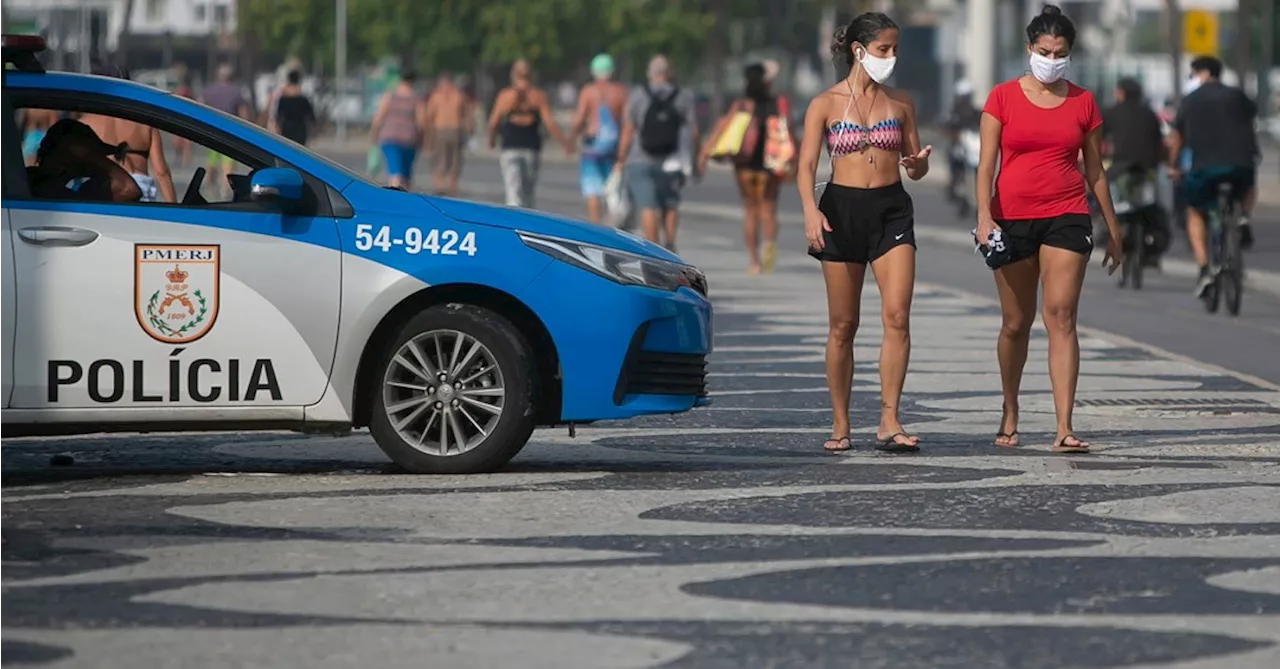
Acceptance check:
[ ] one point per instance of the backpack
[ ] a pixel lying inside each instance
(660, 132)
(605, 141)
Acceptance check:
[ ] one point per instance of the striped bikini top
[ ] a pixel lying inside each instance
(845, 137)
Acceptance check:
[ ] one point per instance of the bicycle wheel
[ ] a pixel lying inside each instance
(1232, 287)
(1138, 254)
(1232, 274)
(1213, 229)
(1213, 296)
(1232, 278)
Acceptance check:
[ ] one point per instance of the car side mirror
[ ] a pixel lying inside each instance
(281, 187)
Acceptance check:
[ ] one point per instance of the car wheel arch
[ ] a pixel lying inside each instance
(529, 325)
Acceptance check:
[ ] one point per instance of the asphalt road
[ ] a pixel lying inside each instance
(723, 537)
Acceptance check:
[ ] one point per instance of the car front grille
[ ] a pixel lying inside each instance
(653, 373)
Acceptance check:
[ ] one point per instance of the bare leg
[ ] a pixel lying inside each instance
(219, 174)
(1062, 273)
(1016, 284)
(649, 225)
(895, 274)
(768, 213)
(750, 217)
(593, 208)
(672, 221)
(451, 184)
(751, 234)
(844, 301)
(1196, 236)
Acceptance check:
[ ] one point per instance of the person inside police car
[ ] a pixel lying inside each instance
(73, 163)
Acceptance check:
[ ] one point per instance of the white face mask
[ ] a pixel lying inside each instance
(879, 69)
(1191, 85)
(1048, 70)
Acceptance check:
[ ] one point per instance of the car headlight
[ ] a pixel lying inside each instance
(619, 266)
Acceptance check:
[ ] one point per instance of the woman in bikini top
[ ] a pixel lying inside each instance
(864, 219)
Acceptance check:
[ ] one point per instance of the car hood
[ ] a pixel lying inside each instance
(556, 226)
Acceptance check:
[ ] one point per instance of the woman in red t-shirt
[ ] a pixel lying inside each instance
(1038, 218)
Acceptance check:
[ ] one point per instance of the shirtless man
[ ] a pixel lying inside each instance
(601, 106)
(450, 121)
(144, 159)
(34, 123)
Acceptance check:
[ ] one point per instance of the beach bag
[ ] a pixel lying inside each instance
(779, 145)
(733, 136)
(604, 143)
(617, 201)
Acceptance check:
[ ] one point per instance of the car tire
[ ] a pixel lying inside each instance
(414, 444)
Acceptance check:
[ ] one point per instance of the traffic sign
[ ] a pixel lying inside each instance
(1200, 32)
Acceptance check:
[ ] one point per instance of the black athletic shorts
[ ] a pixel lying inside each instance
(865, 222)
(1073, 232)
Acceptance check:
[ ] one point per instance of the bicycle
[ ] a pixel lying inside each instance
(1133, 195)
(1226, 260)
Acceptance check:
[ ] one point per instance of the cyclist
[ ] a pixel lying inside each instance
(1217, 123)
(1132, 129)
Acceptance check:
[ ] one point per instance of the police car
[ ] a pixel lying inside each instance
(313, 299)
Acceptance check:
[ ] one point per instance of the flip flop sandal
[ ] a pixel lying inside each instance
(1007, 435)
(891, 444)
(841, 444)
(1061, 446)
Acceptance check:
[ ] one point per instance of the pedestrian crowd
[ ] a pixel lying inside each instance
(637, 148)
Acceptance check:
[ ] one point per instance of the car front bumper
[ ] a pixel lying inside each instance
(625, 351)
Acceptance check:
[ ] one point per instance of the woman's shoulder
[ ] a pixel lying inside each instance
(899, 95)
(1076, 91)
(840, 89)
(822, 100)
(1014, 84)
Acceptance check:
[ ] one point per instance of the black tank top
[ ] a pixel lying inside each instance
(522, 128)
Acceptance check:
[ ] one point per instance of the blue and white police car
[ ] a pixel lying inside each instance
(313, 299)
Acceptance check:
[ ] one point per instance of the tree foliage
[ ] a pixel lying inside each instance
(302, 28)
(556, 35)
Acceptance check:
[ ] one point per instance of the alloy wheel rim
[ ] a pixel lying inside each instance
(443, 392)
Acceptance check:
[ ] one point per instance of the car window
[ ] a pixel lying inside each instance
(332, 164)
(166, 166)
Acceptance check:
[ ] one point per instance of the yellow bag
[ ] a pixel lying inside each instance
(729, 143)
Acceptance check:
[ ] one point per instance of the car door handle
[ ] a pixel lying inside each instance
(57, 236)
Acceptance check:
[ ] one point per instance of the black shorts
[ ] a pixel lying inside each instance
(865, 222)
(1073, 232)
